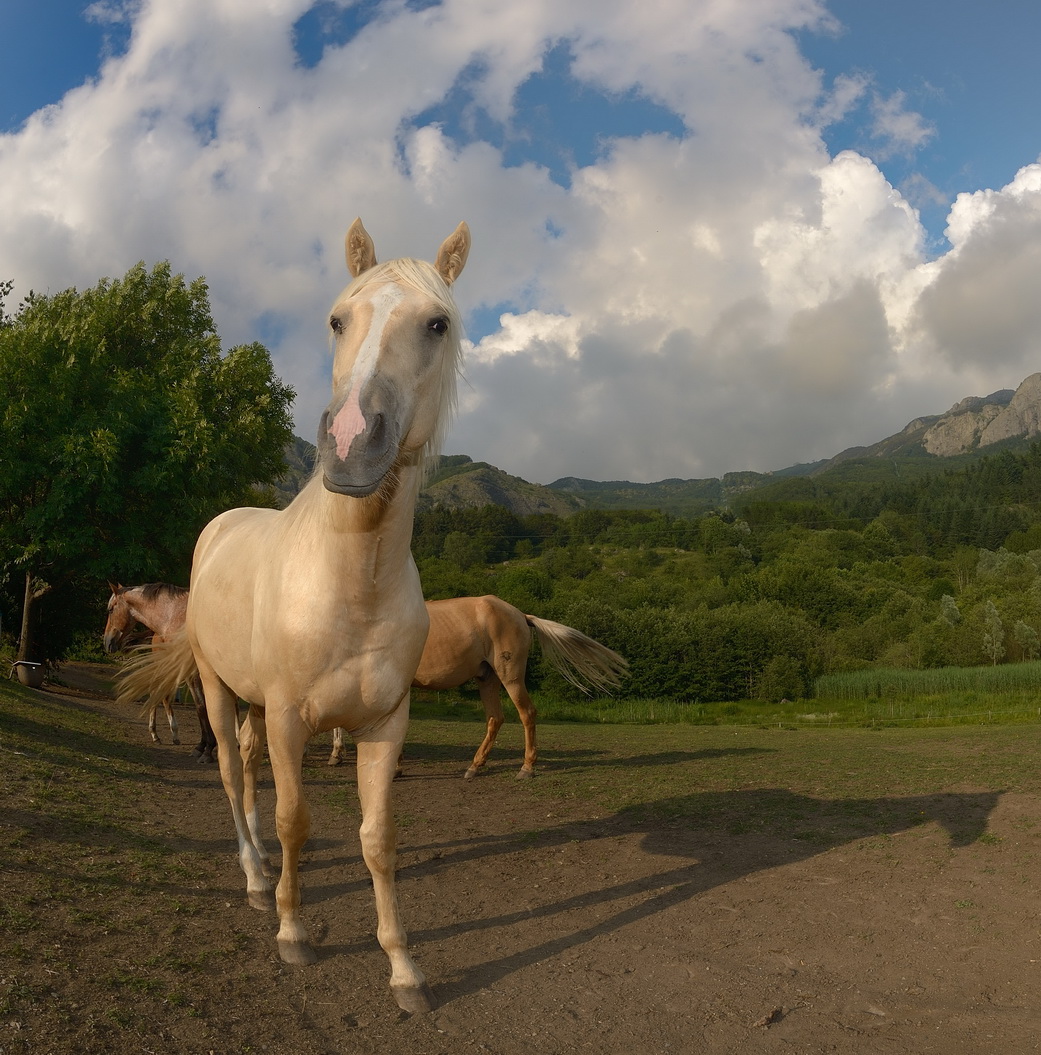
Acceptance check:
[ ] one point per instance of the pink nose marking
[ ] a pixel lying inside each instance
(348, 423)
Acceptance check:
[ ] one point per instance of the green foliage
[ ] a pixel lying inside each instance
(831, 575)
(124, 430)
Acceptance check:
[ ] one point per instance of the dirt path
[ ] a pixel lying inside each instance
(546, 926)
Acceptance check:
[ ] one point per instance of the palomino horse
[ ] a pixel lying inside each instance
(314, 614)
(161, 608)
(487, 639)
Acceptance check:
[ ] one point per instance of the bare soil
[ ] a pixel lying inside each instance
(544, 924)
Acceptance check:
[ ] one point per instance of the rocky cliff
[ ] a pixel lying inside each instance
(981, 421)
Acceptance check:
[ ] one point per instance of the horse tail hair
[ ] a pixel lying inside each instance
(584, 662)
(156, 671)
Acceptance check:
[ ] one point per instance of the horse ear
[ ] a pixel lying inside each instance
(451, 257)
(114, 587)
(361, 253)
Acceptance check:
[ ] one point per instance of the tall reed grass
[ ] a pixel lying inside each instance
(893, 683)
(1010, 693)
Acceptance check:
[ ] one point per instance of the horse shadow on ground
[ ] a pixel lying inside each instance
(724, 836)
(554, 759)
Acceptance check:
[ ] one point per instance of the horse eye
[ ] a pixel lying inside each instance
(336, 323)
(438, 325)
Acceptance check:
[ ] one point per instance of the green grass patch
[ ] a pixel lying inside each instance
(977, 705)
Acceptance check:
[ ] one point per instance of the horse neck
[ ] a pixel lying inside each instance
(366, 541)
(161, 615)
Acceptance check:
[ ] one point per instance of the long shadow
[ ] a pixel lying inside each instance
(563, 760)
(702, 827)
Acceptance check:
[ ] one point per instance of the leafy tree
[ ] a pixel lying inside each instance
(1027, 639)
(124, 430)
(993, 633)
(949, 612)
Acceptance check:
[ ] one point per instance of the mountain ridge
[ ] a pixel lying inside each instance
(973, 427)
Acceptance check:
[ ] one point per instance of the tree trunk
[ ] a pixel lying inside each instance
(33, 591)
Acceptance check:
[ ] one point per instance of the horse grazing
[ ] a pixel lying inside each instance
(314, 614)
(161, 608)
(487, 639)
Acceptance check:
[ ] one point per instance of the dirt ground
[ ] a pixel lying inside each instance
(545, 925)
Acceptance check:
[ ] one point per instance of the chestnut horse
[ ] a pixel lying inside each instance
(314, 614)
(487, 639)
(161, 608)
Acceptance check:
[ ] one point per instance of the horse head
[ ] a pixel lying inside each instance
(395, 332)
(120, 621)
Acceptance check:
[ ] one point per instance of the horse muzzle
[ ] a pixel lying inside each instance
(358, 441)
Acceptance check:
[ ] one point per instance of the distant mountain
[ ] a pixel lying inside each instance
(461, 483)
(972, 428)
(300, 457)
(681, 497)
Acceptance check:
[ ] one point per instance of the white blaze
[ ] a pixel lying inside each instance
(350, 421)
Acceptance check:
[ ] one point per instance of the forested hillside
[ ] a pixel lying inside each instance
(824, 575)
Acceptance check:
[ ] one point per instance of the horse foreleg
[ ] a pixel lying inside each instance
(378, 754)
(526, 710)
(339, 753)
(221, 704)
(336, 758)
(489, 686)
(252, 736)
(293, 821)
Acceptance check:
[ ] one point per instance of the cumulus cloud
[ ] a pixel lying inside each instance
(982, 308)
(721, 297)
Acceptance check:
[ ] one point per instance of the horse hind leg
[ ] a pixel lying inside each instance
(336, 758)
(526, 710)
(172, 719)
(151, 724)
(489, 687)
(207, 745)
(252, 737)
(221, 705)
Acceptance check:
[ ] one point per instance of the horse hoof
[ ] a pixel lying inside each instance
(335, 761)
(261, 900)
(414, 999)
(175, 740)
(298, 953)
(470, 773)
(525, 774)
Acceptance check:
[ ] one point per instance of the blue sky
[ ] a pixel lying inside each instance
(707, 237)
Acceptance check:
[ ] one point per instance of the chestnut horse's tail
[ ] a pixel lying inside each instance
(156, 671)
(584, 662)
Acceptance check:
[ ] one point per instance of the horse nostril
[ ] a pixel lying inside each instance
(379, 429)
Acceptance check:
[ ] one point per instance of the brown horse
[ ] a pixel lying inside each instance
(314, 614)
(487, 639)
(161, 608)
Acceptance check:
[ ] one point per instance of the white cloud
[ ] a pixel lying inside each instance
(981, 309)
(898, 129)
(735, 298)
